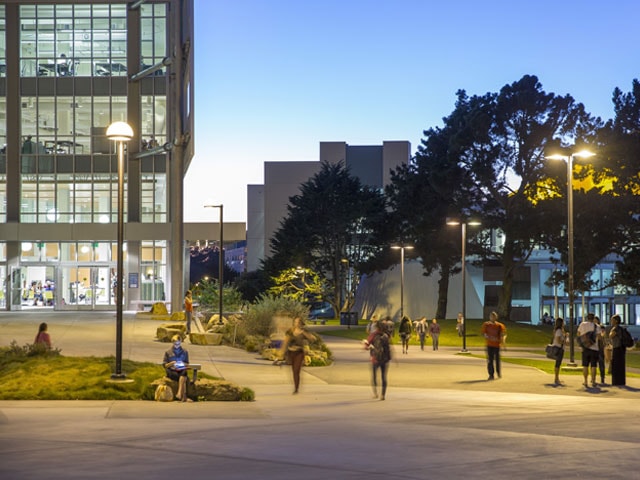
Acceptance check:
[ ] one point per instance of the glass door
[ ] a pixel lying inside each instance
(18, 290)
(86, 287)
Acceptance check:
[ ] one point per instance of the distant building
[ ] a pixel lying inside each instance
(267, 204)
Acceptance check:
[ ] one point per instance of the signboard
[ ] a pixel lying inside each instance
(133, 280)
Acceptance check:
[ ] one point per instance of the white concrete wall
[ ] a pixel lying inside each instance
(380, 293)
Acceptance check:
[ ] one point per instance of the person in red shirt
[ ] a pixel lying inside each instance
(494, 333)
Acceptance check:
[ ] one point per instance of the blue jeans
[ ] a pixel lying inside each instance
(384, 367)
(493, 356)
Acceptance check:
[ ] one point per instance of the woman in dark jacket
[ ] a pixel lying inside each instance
(618, 367)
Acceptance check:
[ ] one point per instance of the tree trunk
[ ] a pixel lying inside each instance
(504, 302)
(443, 292)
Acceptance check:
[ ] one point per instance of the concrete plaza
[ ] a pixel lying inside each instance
(441, 418)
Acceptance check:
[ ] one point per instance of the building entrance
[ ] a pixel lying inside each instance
(86, 287)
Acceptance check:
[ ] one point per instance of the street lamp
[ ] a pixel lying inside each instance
(220, 258)
(463, 228)
(569, 160)
(402, 248)
(119, 132)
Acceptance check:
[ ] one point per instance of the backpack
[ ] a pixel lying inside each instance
(380, 349)
(587, 339)
(627, 339)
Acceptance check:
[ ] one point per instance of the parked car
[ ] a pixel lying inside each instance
(321, 310)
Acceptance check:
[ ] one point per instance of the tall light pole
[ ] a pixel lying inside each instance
(463, 228)
(119, 132)
(570, 286)
(220, 258)
(402, 248)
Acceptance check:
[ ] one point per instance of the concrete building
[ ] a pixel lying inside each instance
(68, 69)
(267, 203)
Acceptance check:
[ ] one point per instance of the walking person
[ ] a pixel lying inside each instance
(421, 330)
(380, 351)
(434, 331)
(296, 338)
(618, 364)
(559, 340)
(405, 333)
(188, 309)
(494, 332)
(588, 333)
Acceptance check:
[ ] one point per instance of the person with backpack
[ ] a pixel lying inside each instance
(620, 340)
(405, 330)
(588, 333)
(380, 351)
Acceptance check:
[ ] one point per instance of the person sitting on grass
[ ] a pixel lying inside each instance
(43, 338)
(176, 363)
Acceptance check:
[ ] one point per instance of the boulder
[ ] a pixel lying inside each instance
(166, 331)
(215, 323)
(205, 390)
(218, 390)
(159, 308)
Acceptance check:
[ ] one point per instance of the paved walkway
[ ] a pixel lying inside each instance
(442, 418)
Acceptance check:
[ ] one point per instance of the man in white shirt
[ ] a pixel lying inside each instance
(589, 353)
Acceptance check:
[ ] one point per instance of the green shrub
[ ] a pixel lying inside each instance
(259, 319)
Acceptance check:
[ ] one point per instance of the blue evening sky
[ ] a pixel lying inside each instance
(274, 78)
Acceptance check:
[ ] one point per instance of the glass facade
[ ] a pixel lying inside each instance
(68, 171)
(68, 77)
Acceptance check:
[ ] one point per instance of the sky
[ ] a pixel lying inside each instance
(274, 78)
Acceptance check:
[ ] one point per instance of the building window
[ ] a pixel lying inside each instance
(153, 268)
(154, 189)
(73, 40)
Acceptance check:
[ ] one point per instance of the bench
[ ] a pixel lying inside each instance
(315, 321)
(196, 367)
(148, 304)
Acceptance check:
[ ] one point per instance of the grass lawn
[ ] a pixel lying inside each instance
(517, 334)
(28, 375)
(532, 338)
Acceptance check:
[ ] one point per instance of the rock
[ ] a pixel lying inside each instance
(205, 390)
(159, 308)
(214, 321)
(217, 390)
(166, 331)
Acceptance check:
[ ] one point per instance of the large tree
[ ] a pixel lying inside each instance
(423, 195)
(502, 141)
(334, 226)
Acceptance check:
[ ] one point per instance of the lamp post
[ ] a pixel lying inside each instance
(569, 160)
(220, 258)
(463, 228)
(402, 248)
(119, 132)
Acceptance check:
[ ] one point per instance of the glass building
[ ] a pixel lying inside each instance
(68, 69)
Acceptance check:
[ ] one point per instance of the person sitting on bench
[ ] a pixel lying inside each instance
(176, 363)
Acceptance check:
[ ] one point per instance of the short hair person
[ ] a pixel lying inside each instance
(590, 354)
(176, 363)
(494, 333)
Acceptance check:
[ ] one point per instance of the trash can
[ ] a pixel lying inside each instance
(348, 318)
